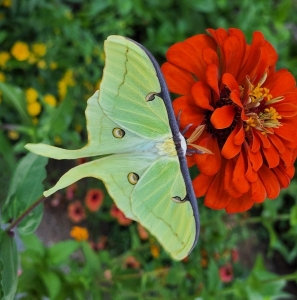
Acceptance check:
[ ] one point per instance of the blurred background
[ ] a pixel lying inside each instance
(51, 62)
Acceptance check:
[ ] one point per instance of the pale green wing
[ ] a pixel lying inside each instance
(128, 78)
(172, 223)
(101, 140)
(113, 170)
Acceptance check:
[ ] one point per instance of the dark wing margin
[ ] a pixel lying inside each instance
(165, 95)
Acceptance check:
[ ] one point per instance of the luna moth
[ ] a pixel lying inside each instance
(131, 122)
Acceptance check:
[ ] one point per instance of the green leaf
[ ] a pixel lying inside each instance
(26, 187)
(15, 97)
(7, 151)
(293, 215)
(52, 283)
(62, 117)
(213, 278)
(8, 266)
(92, 260)
(61, 251)
(33, 242)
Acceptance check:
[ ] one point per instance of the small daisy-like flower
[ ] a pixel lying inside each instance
(155, 250)
(31, 95)
(20, 51)
(50, 100)
(34, 109)
(39, 49)
(70, 191)
(117, 214)
(79, 233)
(226, 273)
(4, 57)
(76, 211)
(249, 111)
(94, 199)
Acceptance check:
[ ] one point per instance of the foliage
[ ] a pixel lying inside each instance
(47, 71)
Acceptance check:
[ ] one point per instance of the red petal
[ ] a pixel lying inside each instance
(250, 66)
(201, 184)
(277, 143)
(286, 131)
(228, 185)
(280, 82)
(212, 77)
(283, 178)
(286, 109)
(190, 112)
(239, 180)
(216, 197)
(256, 159)
(179, 81)
(263, 138)
(256, 142)
(230, 149)
(234, 52)
(272, 156)
(223, 117)
(272, 55)
(239, 137)
(208, 164)
(240, 204)
(258, 191)
(202, 95)
(269, 181)
(232, 85)
(250, 174)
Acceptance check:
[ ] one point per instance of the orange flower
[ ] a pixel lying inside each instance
(132, 263)
(226, 273)
(79, 233)
(94, 199)
(116, 213)
(249, 111)
(76, 211)
(143, 234)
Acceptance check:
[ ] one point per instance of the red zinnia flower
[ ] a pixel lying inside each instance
(116, 213)
(248, 109)
(94, 199)
(76, 211)
(226, 273)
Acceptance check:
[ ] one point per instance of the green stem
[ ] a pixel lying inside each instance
(24, 214)
(260, 219)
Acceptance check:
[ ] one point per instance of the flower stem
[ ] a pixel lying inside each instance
(24, 214)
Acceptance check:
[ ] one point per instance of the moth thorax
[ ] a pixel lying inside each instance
(183, 143)
(166, 147)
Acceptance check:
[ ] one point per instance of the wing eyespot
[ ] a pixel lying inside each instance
(178, 199)
(118, 133)
(150, 96)
(133, 178)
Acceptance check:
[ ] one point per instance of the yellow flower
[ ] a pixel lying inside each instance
(79, 233)
(68, 77)
(6, 3)
(155, 251)
(32, 59)
(13, 135)
(20, 51)
(41, 64)
(39, 49)
(62, 89)
(53, 65)
(31, 95)
(4, 57)
(50, 100)
(34, 109)
(2, 77)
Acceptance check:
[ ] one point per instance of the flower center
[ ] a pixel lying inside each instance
(261, 115)
(257, 107)
(222, 134)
